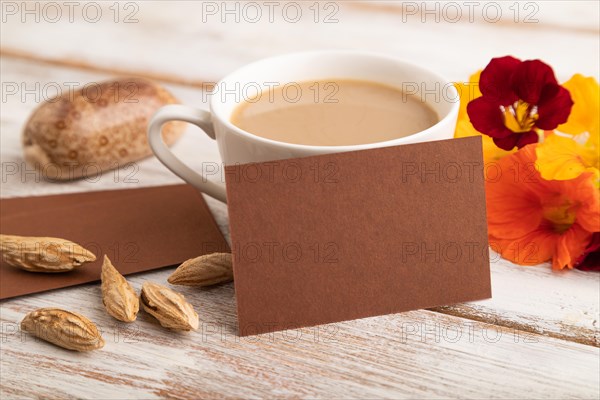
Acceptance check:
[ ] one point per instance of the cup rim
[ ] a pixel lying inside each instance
(415, 137)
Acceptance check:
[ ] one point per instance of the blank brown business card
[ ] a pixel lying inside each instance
(139, 230)
(351, 235)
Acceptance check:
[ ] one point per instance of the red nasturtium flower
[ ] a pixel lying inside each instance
(532, 220)
(518, 98)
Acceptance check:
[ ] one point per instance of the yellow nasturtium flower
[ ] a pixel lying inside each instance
(585, 115)
(469, 91)
(564, 158)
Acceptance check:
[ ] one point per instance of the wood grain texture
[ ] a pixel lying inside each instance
(536, 299)
(537, 337)
(184, 42)
(555, 15)
(418, 354)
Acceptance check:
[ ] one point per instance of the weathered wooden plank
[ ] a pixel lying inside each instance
(570, 16)
(417, 354)
(537, 299)
(191, 42)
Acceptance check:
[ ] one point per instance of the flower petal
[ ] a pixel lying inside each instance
(530, 78)
(586, 194)
(570, 246)
(511, 217)
(585, 114)
(491, 152)
(487, 118)
(517, 139)
(513, 206)
(532, 249)
(507, 143)
(558, 158)
(590, 259)
(468, 91)
(526, 138)
(554, 107)
(495, 80)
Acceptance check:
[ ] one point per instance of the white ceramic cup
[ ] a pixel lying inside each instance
(239, 146)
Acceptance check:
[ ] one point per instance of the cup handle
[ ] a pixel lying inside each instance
(200, 118)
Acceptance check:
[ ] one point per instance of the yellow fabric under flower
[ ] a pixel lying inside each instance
(469, 91)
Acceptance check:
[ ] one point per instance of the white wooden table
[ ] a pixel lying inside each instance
(538, 337)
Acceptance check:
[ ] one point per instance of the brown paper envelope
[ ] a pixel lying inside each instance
(139, 230)
(351, 235)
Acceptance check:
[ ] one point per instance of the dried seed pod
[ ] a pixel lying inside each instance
(63, 328)
(205, 270)
(104, 128)
(43, 254)
(168, 307)
(118, 296)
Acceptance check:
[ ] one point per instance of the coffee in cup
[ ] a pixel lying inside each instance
(333, 112)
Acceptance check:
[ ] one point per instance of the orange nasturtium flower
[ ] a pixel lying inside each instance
(532, 220)
(464, 127)
(563, 158)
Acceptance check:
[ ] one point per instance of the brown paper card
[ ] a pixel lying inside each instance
(139, 230)
(351, 235)
(24, 205)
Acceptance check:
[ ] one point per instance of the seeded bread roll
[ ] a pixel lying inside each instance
(100, 127)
